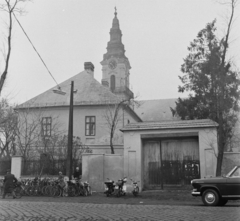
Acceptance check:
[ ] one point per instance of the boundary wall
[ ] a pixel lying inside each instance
(96, 168)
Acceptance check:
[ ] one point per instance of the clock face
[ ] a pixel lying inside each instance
(112, 64)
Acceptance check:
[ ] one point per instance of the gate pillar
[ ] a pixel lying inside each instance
(16, 166)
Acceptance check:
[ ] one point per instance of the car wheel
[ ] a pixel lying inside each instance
(210, 197)
(222, 202)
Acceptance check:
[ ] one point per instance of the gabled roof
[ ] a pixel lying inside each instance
(180, 124)
(156, 110)
(89, 92)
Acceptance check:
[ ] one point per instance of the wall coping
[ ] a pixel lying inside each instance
(232, 152)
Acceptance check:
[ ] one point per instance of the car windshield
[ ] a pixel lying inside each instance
(229, 174)
(236, 173)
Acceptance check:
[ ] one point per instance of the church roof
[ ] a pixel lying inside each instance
(89, 92)
(179, 124)
(156, 110)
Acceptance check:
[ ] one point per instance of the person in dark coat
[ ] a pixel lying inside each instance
(8, 183)
(77, 174)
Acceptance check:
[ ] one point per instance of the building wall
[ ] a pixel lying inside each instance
(133, 150)
(98, 143)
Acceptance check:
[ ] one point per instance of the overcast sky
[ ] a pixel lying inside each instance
(67, 33)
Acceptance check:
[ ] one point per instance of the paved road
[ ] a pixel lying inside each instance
(61, 211)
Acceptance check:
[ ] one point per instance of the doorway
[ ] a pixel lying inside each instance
(170, 162)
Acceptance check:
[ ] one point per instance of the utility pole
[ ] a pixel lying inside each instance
(70, 135)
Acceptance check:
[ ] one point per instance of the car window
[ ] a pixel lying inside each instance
(236, 173)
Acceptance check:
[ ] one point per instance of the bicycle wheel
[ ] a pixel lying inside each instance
(30, 190)
(35, 191)
(58, 191)
(65, 191)
(1, 191)
(136, 191)
(89, 190)
(83, 191)
(24, 190)
(43, 190)
(71, 191)
(18, 192)
(53, 191)
(48, 190)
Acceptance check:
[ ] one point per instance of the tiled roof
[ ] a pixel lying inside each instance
(156, 110)
(180, 124)
(89, 92)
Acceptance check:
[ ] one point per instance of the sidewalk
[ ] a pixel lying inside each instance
(159, 197)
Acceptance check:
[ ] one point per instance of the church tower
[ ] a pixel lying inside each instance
(115, 65)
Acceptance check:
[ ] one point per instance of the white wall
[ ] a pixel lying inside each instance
(100, 142)
(96, 168)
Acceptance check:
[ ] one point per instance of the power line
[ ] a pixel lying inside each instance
(36, 50)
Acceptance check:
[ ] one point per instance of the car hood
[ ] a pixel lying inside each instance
(210, 180)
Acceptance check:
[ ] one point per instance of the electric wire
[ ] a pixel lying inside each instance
(36, 50)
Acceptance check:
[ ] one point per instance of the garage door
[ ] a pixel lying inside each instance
(170, 162)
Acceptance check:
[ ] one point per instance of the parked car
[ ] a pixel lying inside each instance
(216, 191)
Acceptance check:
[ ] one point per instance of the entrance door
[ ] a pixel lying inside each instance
(151, 164)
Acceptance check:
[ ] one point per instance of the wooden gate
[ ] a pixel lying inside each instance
(170, 162)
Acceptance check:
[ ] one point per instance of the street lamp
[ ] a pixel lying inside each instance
(70, 129)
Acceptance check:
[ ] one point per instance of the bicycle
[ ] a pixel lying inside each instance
(16, 189)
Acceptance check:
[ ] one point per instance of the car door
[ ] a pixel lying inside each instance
(233, 183)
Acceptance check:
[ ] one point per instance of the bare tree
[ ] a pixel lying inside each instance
(8, 125)
(28, 131)
(223, 67)
(78, 148)
(113, 116)
(10, 7)
(49, 143)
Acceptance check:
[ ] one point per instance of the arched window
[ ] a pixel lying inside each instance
(113, 83)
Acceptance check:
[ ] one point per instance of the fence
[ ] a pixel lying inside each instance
(47, 167)
(5, 164)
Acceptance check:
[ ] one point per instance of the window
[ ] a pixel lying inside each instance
(236, 172)
(46, 126)
(90, 128)
(113, 83)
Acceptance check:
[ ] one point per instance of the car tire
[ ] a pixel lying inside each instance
(222, 202)
(210, 197)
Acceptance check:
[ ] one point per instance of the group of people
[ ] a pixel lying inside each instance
(10, 179)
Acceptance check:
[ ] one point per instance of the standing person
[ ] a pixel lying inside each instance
(77, 174)
(61, 181)
(9, 181)
(60, 176)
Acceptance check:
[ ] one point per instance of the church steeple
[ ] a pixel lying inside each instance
(115, 46)
(116, 66)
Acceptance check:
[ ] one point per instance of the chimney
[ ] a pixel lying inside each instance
(89, 68)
